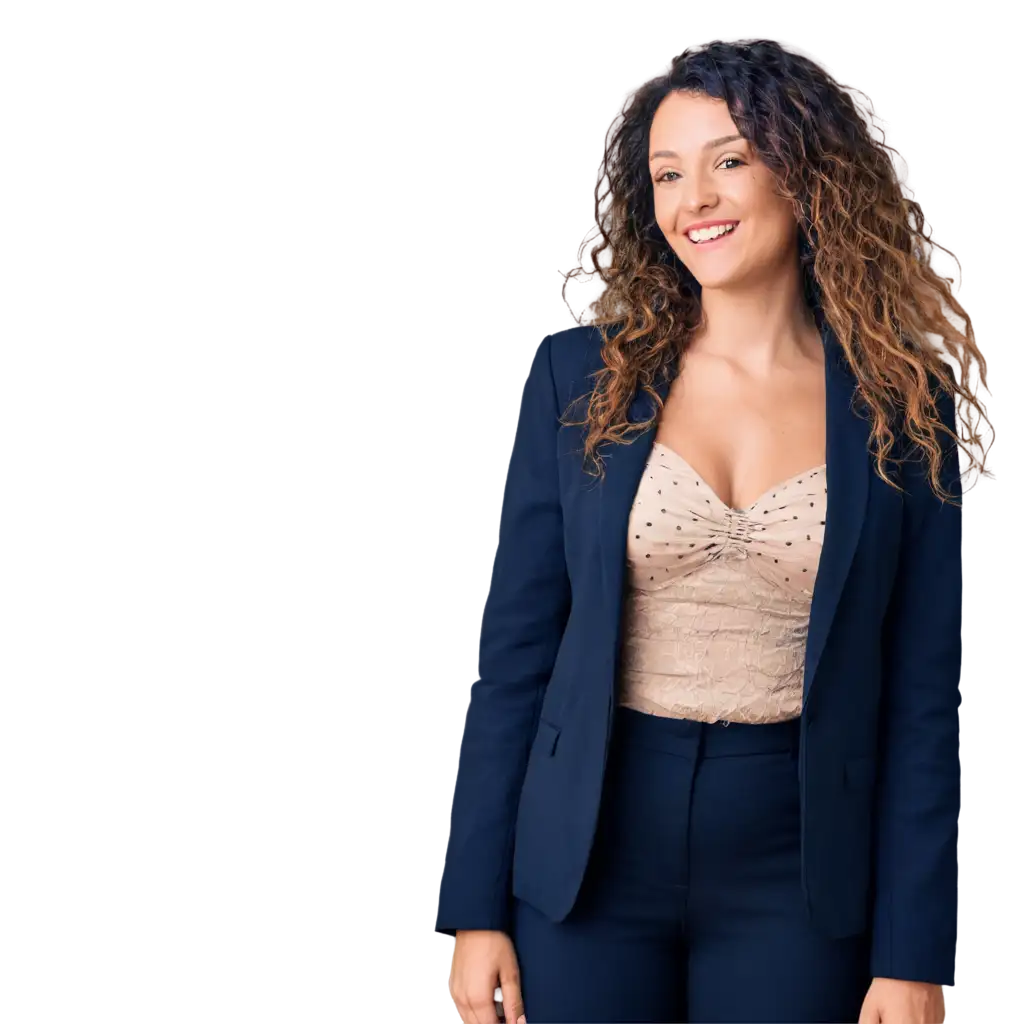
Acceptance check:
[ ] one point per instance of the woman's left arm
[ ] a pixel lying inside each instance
(918, 794)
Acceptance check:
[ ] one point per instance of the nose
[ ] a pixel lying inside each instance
(696, 200)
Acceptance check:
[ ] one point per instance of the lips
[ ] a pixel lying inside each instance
(718, 239)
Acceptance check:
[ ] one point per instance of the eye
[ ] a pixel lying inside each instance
(728, 159)
(734, 159)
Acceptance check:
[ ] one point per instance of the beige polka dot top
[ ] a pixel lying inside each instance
(718, 599)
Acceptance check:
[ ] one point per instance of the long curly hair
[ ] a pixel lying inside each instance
(862, 247)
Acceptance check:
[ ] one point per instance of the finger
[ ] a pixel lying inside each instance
(869, 1012)
(511, 1000)
(483, 1009)
(514, 1014)
(465, 1014)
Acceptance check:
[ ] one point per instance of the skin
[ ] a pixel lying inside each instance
(483, 961)
(754, 414)
(749, 409)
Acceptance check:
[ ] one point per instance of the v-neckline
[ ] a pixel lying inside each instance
(747, 508)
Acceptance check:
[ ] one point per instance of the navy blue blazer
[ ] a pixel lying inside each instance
(879, 764)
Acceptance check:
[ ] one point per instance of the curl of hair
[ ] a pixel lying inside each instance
(863, 251)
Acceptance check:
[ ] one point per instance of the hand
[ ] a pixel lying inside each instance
(894, 1001)
(483, 961)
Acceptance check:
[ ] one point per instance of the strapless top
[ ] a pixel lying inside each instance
(718, 599)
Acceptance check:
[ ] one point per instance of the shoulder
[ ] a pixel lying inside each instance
(573, 348)
(575, 356)
(916, 469)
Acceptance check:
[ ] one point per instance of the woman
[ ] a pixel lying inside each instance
(710, 771)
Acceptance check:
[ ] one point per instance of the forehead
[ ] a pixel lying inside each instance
(685, 123)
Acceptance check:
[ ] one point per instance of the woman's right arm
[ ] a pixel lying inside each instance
(523, 620)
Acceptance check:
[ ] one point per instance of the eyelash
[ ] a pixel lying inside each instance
(736, 159)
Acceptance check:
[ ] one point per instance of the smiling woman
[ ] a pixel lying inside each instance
(715, 149)
(710, 770)
(693, 174)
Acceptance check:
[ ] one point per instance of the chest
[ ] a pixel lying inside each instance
(678, 528)
(743, 436)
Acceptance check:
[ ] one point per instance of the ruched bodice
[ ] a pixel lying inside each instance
(718, 602)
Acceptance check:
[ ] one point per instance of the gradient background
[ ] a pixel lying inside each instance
(249, 255)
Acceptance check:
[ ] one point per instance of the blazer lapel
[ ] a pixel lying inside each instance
(624, 466)
(846, 475)
(848, 461)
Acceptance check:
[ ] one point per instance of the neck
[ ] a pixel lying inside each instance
(761, 328)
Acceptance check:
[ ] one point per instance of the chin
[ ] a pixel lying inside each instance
(718, 281)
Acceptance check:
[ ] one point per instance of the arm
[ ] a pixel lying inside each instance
(523, 620)
(918, 797)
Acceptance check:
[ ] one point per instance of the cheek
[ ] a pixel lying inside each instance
(669, 217)
(782, 228)
(774, 214)
(666, 220)
(775, 230)
(664, 215)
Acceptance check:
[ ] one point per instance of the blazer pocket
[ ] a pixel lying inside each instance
(547, 736)
(859, 772)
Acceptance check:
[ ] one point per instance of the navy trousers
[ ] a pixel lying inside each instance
(691, 909)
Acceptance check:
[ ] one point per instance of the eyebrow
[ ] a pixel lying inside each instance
(712, 144)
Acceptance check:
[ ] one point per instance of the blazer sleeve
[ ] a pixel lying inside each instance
(918, 794)
(523, 620)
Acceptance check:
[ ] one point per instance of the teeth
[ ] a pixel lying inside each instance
(706, 234)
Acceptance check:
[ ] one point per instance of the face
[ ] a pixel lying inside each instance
(701, 170)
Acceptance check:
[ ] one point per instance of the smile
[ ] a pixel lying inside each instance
(710, 236)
